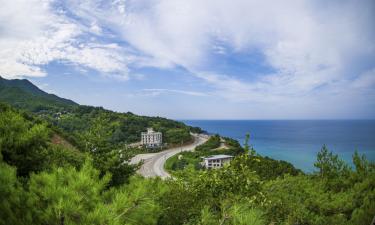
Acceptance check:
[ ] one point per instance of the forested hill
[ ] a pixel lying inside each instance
(45, 179)
(24, 94)
(116, 129)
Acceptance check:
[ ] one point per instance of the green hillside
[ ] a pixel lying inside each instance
(68, 164)
(43, 182)
(77, 120)
(23, 94)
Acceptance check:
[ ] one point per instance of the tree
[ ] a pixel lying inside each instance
(240, 213)
(137, 202)
(23, 143)
(329, 164)
(106, 157)
(246, 144)
(247, 148)
(177, 136)
(13, 209)
(192, 190)
(66, 196)
(362, 166)
(212, 143)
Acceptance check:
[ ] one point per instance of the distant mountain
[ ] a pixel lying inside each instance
(77, 120)
(25, 95)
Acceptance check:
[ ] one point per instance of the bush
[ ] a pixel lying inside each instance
(212, 143)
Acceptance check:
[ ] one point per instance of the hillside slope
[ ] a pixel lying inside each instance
(112, 128)
(25, 95)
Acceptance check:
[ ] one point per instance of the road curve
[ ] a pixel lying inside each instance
(153, 163)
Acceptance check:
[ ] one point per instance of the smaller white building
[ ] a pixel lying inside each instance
(216, 161)
(151, 139)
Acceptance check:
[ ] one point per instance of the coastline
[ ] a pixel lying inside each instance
(298, 141)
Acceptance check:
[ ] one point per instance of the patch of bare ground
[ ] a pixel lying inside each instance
(58, 140)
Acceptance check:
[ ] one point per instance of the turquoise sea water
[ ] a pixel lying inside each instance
(298, 141)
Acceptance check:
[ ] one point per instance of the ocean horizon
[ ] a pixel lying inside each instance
(298, 141)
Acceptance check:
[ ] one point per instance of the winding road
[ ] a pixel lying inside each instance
(153, 163)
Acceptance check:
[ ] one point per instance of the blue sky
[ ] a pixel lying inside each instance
(213, 59)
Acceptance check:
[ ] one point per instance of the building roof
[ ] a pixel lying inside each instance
(217, 157)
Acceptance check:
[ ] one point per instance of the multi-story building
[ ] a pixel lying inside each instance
(151, 139)
(216, 161)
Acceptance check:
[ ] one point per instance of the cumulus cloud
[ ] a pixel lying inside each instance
(308, 43)
(34, 33)
(311, 46)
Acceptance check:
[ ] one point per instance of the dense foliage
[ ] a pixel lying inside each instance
(23, 94)
(28, 144)
(212, 143)
(66, 195)
(208, 195)
(47, 178)
(233, 195)
(76, 121)
(124, 128)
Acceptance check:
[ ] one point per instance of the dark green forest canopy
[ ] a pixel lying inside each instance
(67, 165)
(23, 94)
(69, 189)
(75, 120)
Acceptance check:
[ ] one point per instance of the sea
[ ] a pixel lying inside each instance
(298, 141)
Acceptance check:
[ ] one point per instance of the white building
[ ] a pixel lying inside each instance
(216, 161)
(151, 139)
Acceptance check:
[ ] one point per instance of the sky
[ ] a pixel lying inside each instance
(194, 59)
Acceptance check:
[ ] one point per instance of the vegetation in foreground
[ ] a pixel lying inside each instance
(43, 182)
(62, 163)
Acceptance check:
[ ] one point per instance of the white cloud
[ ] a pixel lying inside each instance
(308, 43)
(311, 45)
(35, 33)
(95, 28)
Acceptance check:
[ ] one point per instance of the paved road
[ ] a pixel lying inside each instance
(153, 164)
